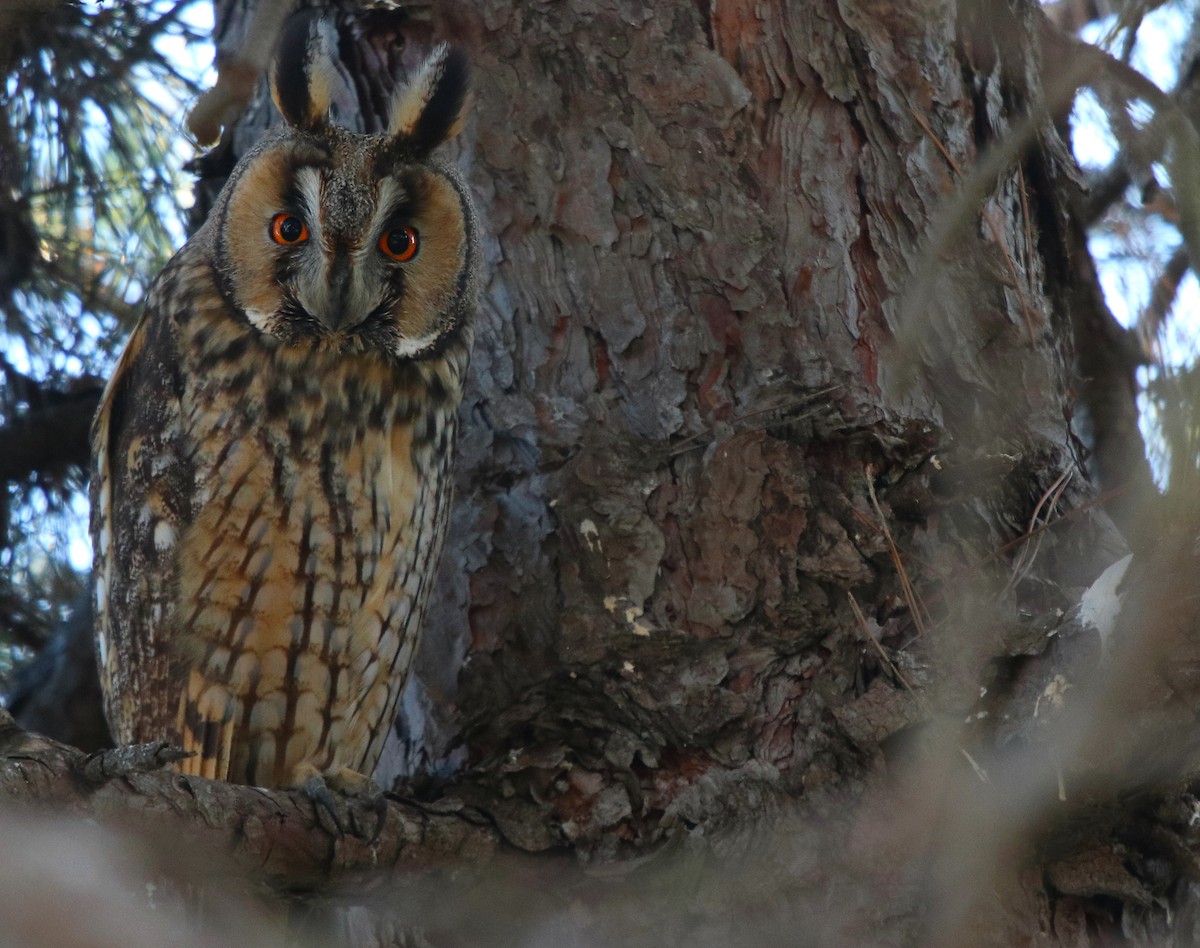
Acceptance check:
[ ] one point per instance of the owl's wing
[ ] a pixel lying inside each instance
(141, 501)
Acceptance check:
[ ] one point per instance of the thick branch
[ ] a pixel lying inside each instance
(1072, 15)
(1108, 358)
(48, 438)
(57, 693)
(273, 836)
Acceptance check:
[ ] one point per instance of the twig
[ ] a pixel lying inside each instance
(916, 607)
(921, 700)
(1047, 501)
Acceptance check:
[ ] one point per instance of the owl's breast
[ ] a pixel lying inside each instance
(317, 517)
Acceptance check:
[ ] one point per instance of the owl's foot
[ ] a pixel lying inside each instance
(346, 801)
(131, 759)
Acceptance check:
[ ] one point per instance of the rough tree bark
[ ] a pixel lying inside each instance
(771, 405)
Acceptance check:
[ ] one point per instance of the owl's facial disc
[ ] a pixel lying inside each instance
(345, 242)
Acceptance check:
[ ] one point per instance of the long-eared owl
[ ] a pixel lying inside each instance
(272, 455)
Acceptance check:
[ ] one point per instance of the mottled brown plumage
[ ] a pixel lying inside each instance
(272, 456)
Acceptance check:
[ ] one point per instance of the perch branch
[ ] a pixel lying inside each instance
(271, 835)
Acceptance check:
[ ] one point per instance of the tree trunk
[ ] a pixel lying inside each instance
(751, 353)
(775, 365)
(768, 479)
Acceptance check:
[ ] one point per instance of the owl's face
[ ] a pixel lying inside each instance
(352, 242)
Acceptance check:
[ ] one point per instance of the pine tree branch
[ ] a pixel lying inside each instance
(48, 438)
(271, 835)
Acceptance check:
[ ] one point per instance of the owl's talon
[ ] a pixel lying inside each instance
(378, 807)
(364, 796)
(343, 799)
(325, 805)
(102, 766)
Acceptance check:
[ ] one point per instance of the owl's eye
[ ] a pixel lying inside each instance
(400, 243)
(288, 229)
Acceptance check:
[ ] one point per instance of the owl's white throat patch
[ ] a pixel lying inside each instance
(407, 347)
(259, 319)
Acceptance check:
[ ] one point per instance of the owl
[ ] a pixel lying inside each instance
(272, 457)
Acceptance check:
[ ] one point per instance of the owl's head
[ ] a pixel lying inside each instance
(351, 242)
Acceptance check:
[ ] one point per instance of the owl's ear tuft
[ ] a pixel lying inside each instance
(432, 108)
(305, 74)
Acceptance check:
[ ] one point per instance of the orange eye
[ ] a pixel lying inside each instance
(288, 229)
(400, 243)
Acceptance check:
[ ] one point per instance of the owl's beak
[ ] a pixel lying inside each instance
(337, 304)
